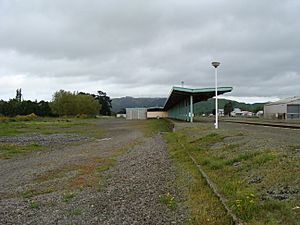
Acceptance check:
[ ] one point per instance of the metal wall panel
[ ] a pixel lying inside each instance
(136, 113)
(180, 111)
(293, 111)
(293, 108)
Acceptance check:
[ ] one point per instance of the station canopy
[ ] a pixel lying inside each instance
(178, 94)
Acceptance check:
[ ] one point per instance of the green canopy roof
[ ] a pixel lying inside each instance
(199, 94)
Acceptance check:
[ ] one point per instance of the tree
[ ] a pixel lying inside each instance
(65, 103)
(44, 109)
(258, 108)
(228, 108)
(19, 95)
(105, 102)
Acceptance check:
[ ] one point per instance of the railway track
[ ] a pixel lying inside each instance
(267, 124)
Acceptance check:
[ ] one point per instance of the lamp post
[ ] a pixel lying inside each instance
(216, 64)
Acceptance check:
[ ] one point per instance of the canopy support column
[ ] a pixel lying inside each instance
(191, 108)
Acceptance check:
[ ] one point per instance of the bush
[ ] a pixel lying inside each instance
(29, 117)
(4, 119)
(82, 116)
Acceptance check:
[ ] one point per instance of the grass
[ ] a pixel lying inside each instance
(241, 157)
(34, 205)
(153, 126)
(168, 200)
(47, 126)
(108, 163)
(231, 167)
(32, 192)
(203, 207)
(11, 150)
(68, 196)
(208, 140)
(74, 212)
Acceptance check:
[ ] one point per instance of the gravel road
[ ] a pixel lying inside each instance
(130, 190)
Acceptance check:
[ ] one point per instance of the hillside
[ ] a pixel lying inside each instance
(209, 105)
(119, 104)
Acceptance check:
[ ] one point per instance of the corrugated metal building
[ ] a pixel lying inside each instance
(136, 113)
(288, 108)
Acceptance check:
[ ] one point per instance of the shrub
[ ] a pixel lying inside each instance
(82, 116)
(4, 119)
(29, 117)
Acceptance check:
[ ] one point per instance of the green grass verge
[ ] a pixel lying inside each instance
(153, 126)
(203, 207)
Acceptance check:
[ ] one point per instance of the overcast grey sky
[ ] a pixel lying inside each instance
(143, 48)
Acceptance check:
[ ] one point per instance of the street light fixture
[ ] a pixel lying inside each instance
(216, 64)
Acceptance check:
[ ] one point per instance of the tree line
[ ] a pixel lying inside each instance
(64, 103)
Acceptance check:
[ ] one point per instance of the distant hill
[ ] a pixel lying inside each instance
(209, 105)
(119, 104)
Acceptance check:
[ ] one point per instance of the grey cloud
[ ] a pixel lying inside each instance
(135, 46)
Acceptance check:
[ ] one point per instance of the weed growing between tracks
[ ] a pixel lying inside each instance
(258, 179)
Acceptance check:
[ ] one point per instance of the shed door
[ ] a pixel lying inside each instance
(293, 111)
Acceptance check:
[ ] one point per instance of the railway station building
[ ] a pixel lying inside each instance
(180, 103)
(286, 109)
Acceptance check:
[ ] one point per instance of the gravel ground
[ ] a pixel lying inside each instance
(43, 139)
(130, 194)
(135, 187)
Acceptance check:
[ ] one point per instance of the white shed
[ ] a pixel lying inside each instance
(288, 108)
(136, 113)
